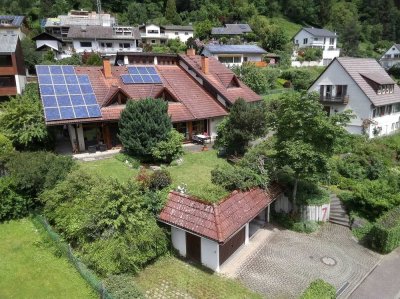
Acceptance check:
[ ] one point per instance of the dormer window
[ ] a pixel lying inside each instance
(385, 89)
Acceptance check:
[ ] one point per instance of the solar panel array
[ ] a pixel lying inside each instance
(141, 75)
(66, 95)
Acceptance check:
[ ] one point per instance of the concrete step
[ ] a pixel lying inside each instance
(336, 210)
(340, 219)
(343, 223)
(341, 216)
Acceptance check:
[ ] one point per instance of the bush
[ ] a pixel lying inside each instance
(32, 172)
(305, 227)
(6, 147)
(128, 160)
(301, 78)
(143, 124)
(170, 149)
(319, 289)
(12, 205)
(122, 287)
(385, 234)
(160, 179)
(310, 54)
(235, 177)
(108, 222)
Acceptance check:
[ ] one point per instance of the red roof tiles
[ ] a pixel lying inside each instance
(217, 221)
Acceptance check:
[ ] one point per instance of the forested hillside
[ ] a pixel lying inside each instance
(365, 27)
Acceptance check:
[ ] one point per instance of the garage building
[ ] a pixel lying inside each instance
(211, 233)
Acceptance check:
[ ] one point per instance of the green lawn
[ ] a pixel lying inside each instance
(29, 268)
(195, 172)
(110, 168)
(169, 276)
(288, 27)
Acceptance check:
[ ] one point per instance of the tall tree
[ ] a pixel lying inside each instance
(170, 10)
(246, 122)
(143, 125)
(305, 136)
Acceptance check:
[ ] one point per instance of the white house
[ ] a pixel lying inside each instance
(211, 233)
(154, 34)
(362, 85)
(391, 57)
(316, 38)
(234, 55)
(13, 25)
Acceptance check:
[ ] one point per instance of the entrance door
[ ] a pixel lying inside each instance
(227, 249)
(193, 247)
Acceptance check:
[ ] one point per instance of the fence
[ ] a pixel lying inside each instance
(66, 249)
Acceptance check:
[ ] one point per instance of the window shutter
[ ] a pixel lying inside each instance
(321, 91)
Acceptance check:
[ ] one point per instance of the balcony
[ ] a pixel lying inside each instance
(334, 99)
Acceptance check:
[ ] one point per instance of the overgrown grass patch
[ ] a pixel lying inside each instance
(29, 267)
(170, 275)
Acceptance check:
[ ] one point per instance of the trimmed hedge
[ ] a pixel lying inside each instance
(385, 234)
(319, 289)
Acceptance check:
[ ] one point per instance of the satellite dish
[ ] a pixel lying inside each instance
(120, 62)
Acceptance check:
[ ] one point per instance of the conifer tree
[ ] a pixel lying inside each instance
(170, 10)
(143, 124)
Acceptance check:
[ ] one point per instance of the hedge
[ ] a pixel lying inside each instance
(385, 234)
(319, 289)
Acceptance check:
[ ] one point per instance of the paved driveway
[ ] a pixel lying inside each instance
(285, 264)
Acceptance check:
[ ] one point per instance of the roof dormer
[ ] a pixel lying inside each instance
(380, 83)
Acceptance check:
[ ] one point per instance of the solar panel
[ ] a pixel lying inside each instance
(66, 95)
(141, 75)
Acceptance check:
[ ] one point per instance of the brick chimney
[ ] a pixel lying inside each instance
(204, 64)
(190, 52)
(107, 68)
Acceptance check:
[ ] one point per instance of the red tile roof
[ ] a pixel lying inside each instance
(194, 101)
(220, 76)
(217, 221)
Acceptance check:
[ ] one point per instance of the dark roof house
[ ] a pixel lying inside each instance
(231, 29)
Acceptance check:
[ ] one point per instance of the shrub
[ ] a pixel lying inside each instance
(319, 289)
(110, 223)
(160, 179)
(128, 160)
(236, 177)
(385, 234)
(305, 227)
(143, 124)
(32, 172)
(170, 149)
(122, 287)
(6, 147)
(12, 205)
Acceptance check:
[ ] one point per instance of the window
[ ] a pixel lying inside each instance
(316, 38)
(385, 88)
(332, 41)
(152, 31)
(153, 41)
(328, 91)
(388, 56)
(396, 108)
(396, 55)
(186, 33)
(305, 41)
(86, 44)
(245, 59)
(229, 59)
(7, 81)
(297, 42)
(388, 110)
(5, 60)
(125, 45)
(380, 111)
(176, 33)
(106, 45)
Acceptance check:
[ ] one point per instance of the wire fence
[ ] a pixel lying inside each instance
(66, 250)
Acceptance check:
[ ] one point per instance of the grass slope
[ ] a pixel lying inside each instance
(29, 268)
(288, 27)
(188, 281)
(195, 172)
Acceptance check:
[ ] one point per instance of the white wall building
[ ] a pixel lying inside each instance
(316, 38)
(363, 86)
(154, 34)
(14, 25)
(391, 57)
(234, 55)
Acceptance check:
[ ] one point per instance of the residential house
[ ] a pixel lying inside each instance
(12, 68)
(391, 57)
(13, 25)
(362, 85)
(88, 101)
(83, 31)
(235, 55)
(154, 34)
(230, 30)
(316, 38)
(211, 233)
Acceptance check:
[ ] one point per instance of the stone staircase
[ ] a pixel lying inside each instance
(338, 214)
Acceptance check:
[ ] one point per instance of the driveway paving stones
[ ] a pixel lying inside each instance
(285, 265)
